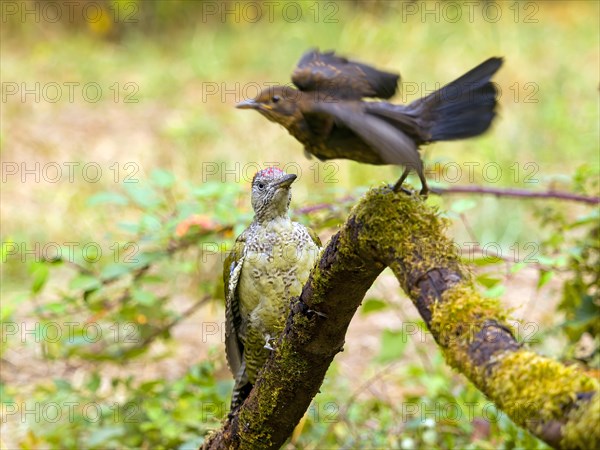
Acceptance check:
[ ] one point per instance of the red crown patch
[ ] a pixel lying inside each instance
(271, 172)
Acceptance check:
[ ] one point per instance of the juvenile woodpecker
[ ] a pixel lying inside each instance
(269, 264)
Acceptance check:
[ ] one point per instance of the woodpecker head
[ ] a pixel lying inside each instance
(277, 103)
(271, 193)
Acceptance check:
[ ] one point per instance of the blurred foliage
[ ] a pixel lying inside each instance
(157, 413)
(127, 305)
(574, 246)
(162, 235)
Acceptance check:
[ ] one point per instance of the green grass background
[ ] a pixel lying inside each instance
(175, 53)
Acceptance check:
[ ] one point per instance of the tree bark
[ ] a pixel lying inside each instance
(558, 404)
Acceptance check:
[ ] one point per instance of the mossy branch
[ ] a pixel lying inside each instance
(558, 404)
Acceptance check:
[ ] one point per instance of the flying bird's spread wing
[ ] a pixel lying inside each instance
(342, 78)
(392, 145)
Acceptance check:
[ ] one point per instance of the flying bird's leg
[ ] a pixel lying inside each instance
(424, 186)
(398, 186)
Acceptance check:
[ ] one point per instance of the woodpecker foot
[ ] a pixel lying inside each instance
(318, 313)
(267, 345)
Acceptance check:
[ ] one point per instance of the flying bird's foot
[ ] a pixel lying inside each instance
(398, 188)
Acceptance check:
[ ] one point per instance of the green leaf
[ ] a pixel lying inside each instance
(372, 305)
(10, 305)
(495, 292)
(131, 227)
(162, 178)
(85, 282)
(62, 384)
(591, 218)
(545, 276)
(94, 382)
(150, 222)
(55, 307)
(115, 270)
(39, 272)
(517, 267)
(143, 196)
(113, 198)
(144, 297)
(488, 281)
(208, 189)
(392, 345)
(482, 261)
(463, 205)
(103, 436)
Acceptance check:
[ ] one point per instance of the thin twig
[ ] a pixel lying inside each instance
(509, 192)
(322, 206)
(188, 312)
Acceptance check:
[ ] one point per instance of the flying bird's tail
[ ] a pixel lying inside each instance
(463, 108)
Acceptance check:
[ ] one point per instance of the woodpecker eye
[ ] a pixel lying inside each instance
(261, 186)
(275, 98)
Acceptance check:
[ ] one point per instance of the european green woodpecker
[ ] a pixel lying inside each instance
(269, 264)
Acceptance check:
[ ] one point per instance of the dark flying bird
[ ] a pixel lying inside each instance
(328, 116)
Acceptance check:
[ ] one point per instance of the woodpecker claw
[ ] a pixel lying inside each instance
(318, 313)
(267, 345)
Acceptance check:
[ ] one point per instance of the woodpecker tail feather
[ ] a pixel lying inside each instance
(241, 388)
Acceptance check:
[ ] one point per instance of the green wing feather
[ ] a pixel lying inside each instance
(234, 346)
(244, 363)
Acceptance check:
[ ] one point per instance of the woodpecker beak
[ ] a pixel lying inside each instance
(286, 181)
(248, 104)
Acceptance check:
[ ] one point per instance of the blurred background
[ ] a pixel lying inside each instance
(125, 179)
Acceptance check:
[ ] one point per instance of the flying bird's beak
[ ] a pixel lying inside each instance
(248, 104)
(286, 181)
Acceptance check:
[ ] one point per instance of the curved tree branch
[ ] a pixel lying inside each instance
(557, 403)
